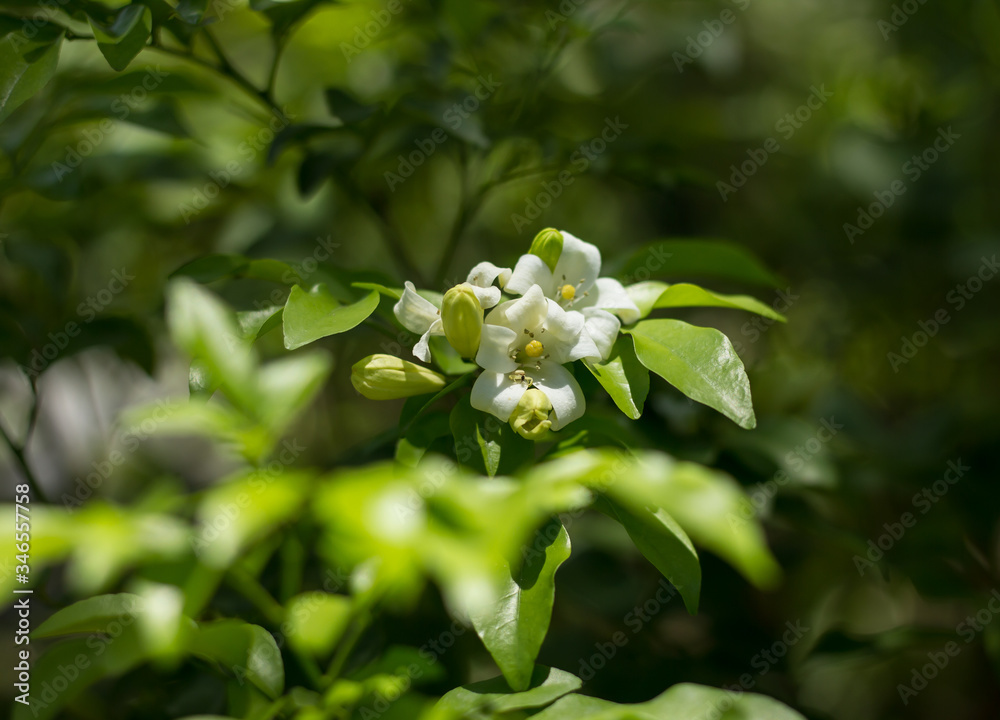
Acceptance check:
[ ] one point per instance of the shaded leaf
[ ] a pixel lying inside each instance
(662, 541)
(246, 650)
(624, 377)
(495, 696)
(514, 630)
(26, 65)
(125, 38)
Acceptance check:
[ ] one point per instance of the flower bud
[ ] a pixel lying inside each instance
(462, 318)
(387, 377)
(548, 245)
(530, 418)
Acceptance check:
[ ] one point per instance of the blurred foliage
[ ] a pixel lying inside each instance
(279, 145)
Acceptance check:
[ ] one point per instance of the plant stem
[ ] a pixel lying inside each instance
(18, 452)
(252, 590)
(347, 646)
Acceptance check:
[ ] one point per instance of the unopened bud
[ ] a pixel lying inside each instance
(548, 245)
(387, 377)
(462, 318)
(530, 418)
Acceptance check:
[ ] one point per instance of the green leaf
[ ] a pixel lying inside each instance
(514, 630)
(711, 507)
(495, 696)
(91, 615)
(394, 293)
(652, 295)
(201, 325)
(681, 702)
(246, 650)
(312, 315)
(254, 324)
(107, 656)
(316, 621)
(125, 37)
(700, 362)
(447, 358)
(486, 444)
(624, 377)
(347, 108)
(264, 500)
(698, 258)
(26, 65)
(662, 541)
(477, 441)
(287, 385)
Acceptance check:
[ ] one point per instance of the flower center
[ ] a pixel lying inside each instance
(567, 292)
(534, 349)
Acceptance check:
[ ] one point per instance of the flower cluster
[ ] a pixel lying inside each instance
(551, 309)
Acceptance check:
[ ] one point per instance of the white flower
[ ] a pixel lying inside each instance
(421, 316)
(524, 344)
(575, 286)
(483, 275)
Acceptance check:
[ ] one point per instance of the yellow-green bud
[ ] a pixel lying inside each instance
(462, 318)
(530, 418)
(548, 245)
(387, 377)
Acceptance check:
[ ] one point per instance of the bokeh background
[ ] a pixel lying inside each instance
(829, 103)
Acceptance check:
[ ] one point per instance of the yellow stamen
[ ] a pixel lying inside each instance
(534, 349)
(568, 292)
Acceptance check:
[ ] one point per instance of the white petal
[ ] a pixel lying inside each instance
(530, 270)
(602, 327)
(610, 294)
(414, 312)
(579, 261)
(487, 296)
(562, 390)
(423, 349)
(529, 311)
(494, 349)
(496, 394)
(565, 340)
(483, 275)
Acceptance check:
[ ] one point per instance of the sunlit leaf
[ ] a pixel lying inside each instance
(700, 362)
